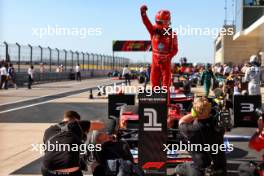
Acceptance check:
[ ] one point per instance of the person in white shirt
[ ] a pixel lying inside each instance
(61, 68)
(253, 76)
(126, 75)
(12, 74)
(41, 68)
(244, 68)
(78, 72)
(31, 75)
(219, 69)
(4, 77)
(57, 69)
(227, 70)
(141, 70)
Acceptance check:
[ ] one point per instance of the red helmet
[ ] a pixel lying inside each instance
(163, 18)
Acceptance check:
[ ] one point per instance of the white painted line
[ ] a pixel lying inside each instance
(40, 175)
(13, 102)
(44, 102)
(41, 96)
(230, 136)
(23, 107)
(36, 87)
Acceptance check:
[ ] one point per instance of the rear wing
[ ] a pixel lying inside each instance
(131, 45)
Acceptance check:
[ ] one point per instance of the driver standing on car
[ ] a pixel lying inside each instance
(164, 46)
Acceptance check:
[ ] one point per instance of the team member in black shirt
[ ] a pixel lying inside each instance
(63, 158)
(111, 149)
(199, 127)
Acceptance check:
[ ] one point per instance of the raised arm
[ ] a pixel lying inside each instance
(145, 19)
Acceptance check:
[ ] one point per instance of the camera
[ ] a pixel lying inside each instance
(260, 111)
(210, 171)
(223, 120)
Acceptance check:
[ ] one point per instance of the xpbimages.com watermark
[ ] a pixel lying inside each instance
(58, 147)
(148, 90)
(198, 31)
(80, 32)
(212, 148)
(132, 89)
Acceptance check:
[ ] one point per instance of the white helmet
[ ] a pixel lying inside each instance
(253, 59)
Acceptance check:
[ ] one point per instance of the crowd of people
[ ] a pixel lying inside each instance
(8, 75)
(217, 68)
(249, 74)
(241, 78)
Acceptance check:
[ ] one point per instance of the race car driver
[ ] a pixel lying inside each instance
(253, 76)
(164, 46)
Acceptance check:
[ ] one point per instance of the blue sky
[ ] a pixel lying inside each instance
(118, 19)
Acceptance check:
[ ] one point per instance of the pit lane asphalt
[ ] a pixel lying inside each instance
(40, 100)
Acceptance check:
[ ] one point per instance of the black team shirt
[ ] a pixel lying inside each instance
(55, 160)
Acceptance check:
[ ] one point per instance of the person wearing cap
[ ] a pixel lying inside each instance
(253, 76)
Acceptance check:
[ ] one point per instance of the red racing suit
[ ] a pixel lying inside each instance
(164, 47)
(257, 143)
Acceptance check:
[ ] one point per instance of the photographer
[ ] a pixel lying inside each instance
(71, 131)
(111, 151)
(115, 157)
(199, 127)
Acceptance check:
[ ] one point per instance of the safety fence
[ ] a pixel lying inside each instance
(47, 59)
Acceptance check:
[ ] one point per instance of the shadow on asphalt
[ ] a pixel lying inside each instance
(237, 153)
(53, 112)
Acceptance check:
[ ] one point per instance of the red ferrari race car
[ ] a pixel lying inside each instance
(126, 114)
(181, 104)
(128, 120)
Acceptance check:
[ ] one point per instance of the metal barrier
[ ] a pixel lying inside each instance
(22, 56)
(22, 77)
